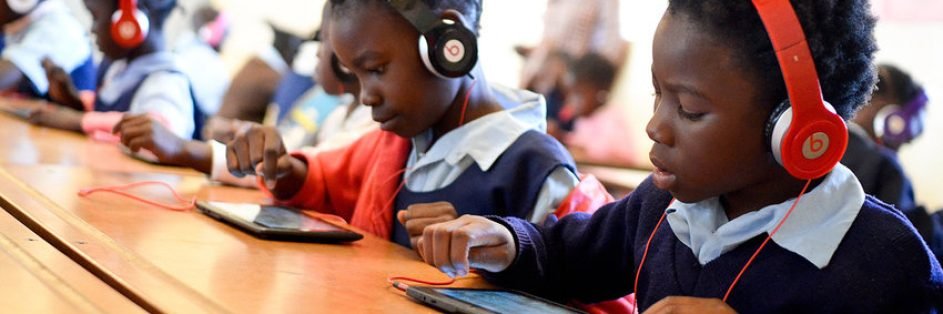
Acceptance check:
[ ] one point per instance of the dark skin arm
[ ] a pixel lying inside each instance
(144, 132)
(258, 150)
(10, 75)
(417, 216)
(61, 89)
(250, 92)
(57, 117)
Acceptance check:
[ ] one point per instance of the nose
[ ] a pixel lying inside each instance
(659, 126)
(369, 97)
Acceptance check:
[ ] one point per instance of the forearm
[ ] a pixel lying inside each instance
(197, 155)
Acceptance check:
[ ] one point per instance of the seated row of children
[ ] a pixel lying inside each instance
(463, 172)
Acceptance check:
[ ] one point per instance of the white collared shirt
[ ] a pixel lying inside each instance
(482, 141)
(165, 90)
(50, 30)
(814, 229)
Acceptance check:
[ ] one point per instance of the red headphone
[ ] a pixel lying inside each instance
(806, 136)
(129, 25)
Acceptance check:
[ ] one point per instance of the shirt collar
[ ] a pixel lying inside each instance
(813, 231)
(486, 138)
(122, 76)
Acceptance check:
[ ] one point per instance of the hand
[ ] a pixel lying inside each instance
(258, 150)
(61, 88)
(141, 131)
(224, 129)
(57, 117)
(469, 241)
(689, 305)
(416, 217)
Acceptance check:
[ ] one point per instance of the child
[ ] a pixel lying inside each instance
(210, 157)
(35, 30)
(138, 76)
(717, 81)
(446, 140)
(586, 86)
(874, 159)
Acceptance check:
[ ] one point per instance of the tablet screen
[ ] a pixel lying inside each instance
(274, 217)
(502, 301)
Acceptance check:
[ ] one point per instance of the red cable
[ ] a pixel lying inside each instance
(645, 255)
(117, 190)
(461, 119)
(770, 236)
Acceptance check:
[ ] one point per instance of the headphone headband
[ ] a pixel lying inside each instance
(812, 139)
(792, 51)
(417, 13)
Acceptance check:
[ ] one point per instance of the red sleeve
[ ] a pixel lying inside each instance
(335, 178)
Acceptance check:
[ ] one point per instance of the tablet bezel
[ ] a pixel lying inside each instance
(279, 234)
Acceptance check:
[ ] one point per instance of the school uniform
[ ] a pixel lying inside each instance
(152, 84)
(878, 170)
(205, 69)
(839, 252)
(49, 30)
(501, 163)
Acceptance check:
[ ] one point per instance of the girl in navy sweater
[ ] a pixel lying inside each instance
(696, 236)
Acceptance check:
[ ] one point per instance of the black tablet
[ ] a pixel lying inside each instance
(277, 223)
(475, 301)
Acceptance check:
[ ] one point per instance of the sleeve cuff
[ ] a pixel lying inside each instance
(219, 172)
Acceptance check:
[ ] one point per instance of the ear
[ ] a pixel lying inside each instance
(457, 17)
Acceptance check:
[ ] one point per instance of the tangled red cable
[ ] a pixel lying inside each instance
(117, 189)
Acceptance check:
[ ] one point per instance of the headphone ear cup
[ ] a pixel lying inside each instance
(129, 29)
(342, 73)
(811, 149)
(776, 126)
(22, 6)
(449, 50)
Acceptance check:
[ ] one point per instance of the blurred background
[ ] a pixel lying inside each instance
(909, 34)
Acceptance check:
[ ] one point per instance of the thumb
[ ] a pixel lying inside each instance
(401, 216)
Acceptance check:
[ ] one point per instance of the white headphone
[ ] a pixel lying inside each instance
(22, 6)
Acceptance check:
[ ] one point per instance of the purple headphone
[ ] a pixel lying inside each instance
(896, 125)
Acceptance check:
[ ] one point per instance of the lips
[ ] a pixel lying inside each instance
(384, 120)
(662, 177)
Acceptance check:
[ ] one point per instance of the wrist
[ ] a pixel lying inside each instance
(198, 155)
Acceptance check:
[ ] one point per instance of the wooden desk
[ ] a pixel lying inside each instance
(167, 261)
(38, 278)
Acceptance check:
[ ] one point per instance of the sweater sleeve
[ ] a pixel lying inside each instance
(333, 182)
(590, 258)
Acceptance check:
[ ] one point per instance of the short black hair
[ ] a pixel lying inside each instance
(896, 84)
(592, 68)
(471, 9)
(840, 34)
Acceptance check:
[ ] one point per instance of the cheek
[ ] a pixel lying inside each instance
(722, 155)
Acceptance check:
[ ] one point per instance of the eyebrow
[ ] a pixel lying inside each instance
(364, 57)
(688, 89)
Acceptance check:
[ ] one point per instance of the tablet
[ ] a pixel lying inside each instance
(277, 223)
(475, 301)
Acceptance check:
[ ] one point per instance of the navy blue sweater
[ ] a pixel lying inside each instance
(881, 265)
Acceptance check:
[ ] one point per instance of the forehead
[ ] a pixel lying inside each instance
(684, 53)
(369, 27)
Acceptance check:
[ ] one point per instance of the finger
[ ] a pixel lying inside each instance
(241, 148)
(271, 151)
(232, 162)
(458, 251)
(139, 143)
(401, 216)
(415, 226)
(443, 249)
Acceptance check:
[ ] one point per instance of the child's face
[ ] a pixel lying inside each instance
(383, 53)
(708, 122)
(583, 97)
(101, 11)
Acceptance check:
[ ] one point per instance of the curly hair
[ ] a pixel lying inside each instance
(896, 85)
(840, 34)
(592, 68)
(471, 9)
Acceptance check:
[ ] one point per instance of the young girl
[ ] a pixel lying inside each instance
(717, 80)
(443, 138)
(139, 75)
